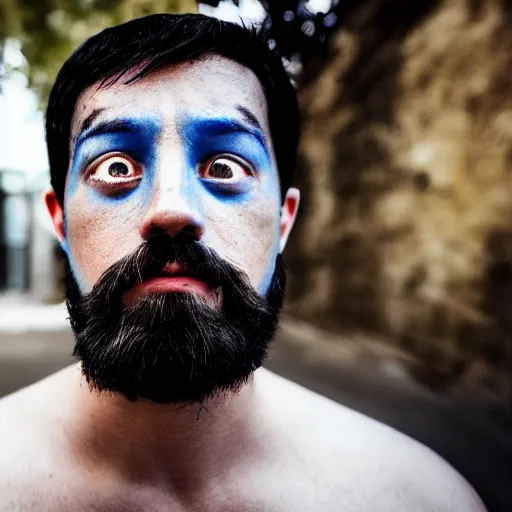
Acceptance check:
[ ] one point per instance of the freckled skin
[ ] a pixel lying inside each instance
(243, 227)
(94, 239)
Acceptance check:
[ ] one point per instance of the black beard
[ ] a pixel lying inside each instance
(175, 347)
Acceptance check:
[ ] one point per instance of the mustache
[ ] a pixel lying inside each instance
(149, 259)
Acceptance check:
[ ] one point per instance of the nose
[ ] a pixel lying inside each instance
(171, 214)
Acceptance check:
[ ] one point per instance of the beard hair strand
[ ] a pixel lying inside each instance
(175, 347)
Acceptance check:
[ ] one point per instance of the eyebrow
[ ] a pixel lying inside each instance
(250, 118)
(114, 126)
(231, 125)
(250, 125)
(90, 119)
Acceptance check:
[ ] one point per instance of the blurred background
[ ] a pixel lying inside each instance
(399, 301)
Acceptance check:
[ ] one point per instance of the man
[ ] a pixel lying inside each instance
(172, 142)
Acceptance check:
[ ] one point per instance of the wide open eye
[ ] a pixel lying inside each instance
(115, 169)
(226, 168)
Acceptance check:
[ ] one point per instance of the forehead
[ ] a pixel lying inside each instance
(213, 86)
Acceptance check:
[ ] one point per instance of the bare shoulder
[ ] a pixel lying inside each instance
(17, 415)
(31, 417)
(19, 409)
(385, 465)
(24, 423)
(29, 449)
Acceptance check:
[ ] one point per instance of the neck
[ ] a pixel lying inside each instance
(175, 445)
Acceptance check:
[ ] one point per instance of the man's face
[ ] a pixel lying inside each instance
(185, 150)
(196, 153)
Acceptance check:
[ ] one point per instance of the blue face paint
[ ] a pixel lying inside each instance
(206, 137)
(269, 273)
(136, 137)
(202, 139)
(76, 274)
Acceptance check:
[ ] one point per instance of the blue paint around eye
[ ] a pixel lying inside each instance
(205, 138)
(228, 191)
(136, 137)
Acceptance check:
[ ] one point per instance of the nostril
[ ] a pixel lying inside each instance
(171, 222)
(186, 233)
(185, 237)
(157, 231)
(191, 230)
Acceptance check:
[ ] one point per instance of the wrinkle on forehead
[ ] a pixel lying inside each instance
(209, 86)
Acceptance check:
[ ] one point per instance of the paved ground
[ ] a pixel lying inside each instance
(474, 437)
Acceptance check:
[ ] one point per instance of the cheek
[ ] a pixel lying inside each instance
(98, 235)
(248, 237)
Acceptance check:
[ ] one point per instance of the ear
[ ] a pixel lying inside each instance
(288, 215)
(56, 213)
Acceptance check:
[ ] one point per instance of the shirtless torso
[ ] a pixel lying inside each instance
(299, 452)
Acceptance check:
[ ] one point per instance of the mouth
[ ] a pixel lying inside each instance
(174, 277)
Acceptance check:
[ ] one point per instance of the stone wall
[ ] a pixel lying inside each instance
(406, 172)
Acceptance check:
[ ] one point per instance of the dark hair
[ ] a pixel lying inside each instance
(161, 39)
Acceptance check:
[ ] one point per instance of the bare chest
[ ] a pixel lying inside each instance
(273, 493)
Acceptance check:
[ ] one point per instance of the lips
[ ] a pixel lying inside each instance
(174, 277)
